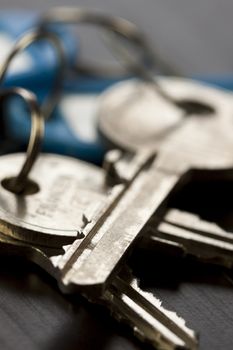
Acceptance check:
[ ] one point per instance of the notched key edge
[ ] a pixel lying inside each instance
(150, 321)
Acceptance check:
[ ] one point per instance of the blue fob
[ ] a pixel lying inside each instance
(37, 65)
(71, 129)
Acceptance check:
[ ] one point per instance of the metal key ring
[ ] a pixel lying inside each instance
(18, 183)
(144, 68)
(25, 41)
(116, 25)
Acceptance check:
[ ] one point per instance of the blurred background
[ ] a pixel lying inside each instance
(194, 36)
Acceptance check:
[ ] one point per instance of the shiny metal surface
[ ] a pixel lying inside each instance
(18, 183)
(66, 190)
(133, 116)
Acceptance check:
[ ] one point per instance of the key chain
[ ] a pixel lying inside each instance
(72, 129)
(48, 102)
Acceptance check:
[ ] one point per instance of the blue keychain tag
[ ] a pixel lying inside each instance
(71, 129)
(38, 64)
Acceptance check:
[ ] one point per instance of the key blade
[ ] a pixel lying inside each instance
(200, 246)
(150, 321)
(195, 223)
(97, 262)
(201, 239)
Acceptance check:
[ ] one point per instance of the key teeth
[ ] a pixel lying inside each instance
(123, 289)
(141, 337)
(171, 314)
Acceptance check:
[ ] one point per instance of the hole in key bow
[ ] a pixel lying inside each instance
(31, 187)
(195, 107)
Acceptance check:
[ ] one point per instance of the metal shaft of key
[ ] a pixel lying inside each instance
(106, 243)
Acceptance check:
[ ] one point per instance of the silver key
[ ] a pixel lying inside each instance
(140, 310)
(132, 116)
(76, 202)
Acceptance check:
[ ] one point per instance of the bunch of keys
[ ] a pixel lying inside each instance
(69, 218)
(80, 222)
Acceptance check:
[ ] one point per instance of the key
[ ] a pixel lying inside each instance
(134, 100)
(127, 302)
(188, 234)
(77, 200)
